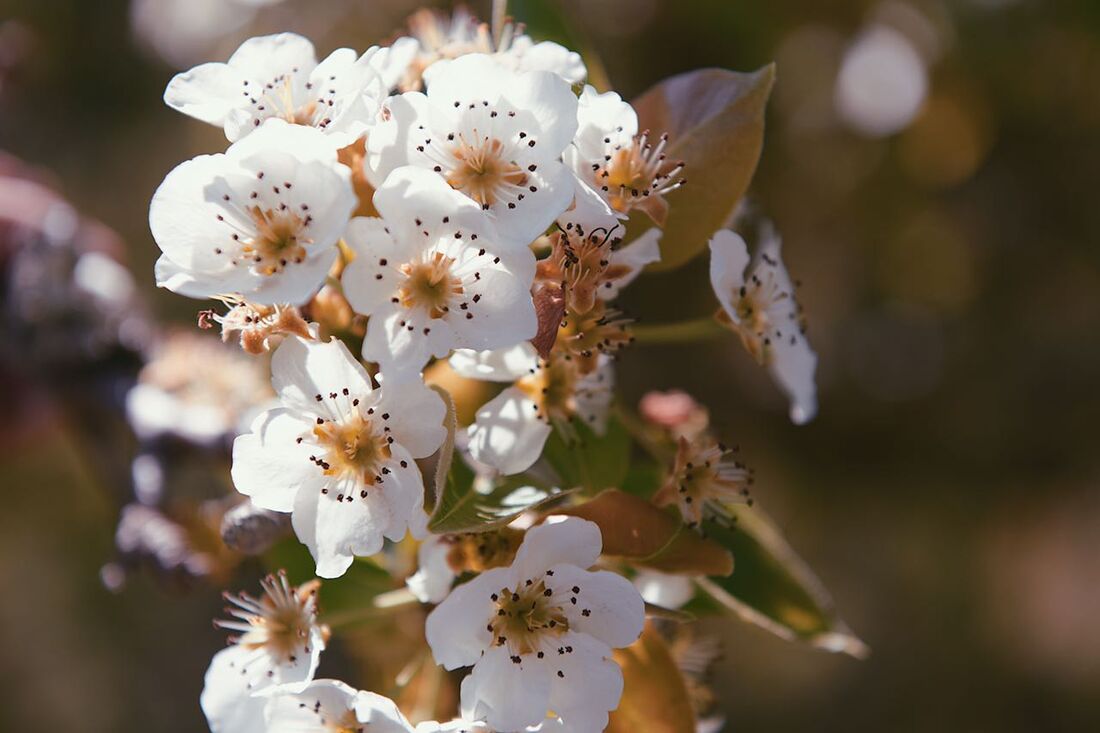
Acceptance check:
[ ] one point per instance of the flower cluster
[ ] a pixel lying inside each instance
(458, 199)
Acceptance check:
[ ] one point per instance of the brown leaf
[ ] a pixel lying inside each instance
(715, 122)
(655, 698)
(550, 308)
(639, 532)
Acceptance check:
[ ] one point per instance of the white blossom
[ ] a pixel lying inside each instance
(277, 642)
(539, 633)
(439, 38)
(195, 388)
(758, 299)
(611, 158)
(434, 276)
(495, 135)
(339, 454)
(511, 429)
(434, 575)
(330, 706)
(261, 220)
(278, 76)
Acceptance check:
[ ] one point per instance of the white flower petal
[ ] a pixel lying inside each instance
(590, 685)
(301, 370)
(664, 589)
(227, 699)
(270, 466)
(208, 92)
(615, 610)
(434, 577)
(496, 365)
(339, 525)
(455, 629)
(380, 714)
(508, 696)
(550, 99)
(396, 339)
(416, 415)
(571, 541)
(368, 283)
(729, 256)
(507, 433)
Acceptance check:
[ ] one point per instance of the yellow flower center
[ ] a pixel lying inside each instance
(525, 616)
(430, 284)
(553, 389)
(351, 448)
(278, 240)
(481, 171)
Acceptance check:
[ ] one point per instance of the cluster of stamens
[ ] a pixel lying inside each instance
(267, 238)
(585, 336)
(631, 174)
(761, 307)
(276, 98)
(705, 482)
(479, 162)
(552, 387)
(352, 447)
(480, 551)
(430, 284)
(529, 619)
(581, 261)
(256, 325)
(279, 622)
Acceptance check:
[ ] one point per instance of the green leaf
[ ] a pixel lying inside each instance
(588, 460)
(715, 122)
(462, 508)
(644, 535)
(352, 592)
(773, 588)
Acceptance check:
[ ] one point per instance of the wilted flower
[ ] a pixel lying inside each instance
(257, 328)
(758, 303)
(539, 633)
(704, 482)
(338, 453)
(260, 221)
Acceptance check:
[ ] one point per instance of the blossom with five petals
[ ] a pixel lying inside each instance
(492, 134)
(433, 275)
(279, 77)
(539, 633)
(260, 220)
(339, 454)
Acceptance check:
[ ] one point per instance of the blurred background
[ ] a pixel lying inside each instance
(933, 167)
